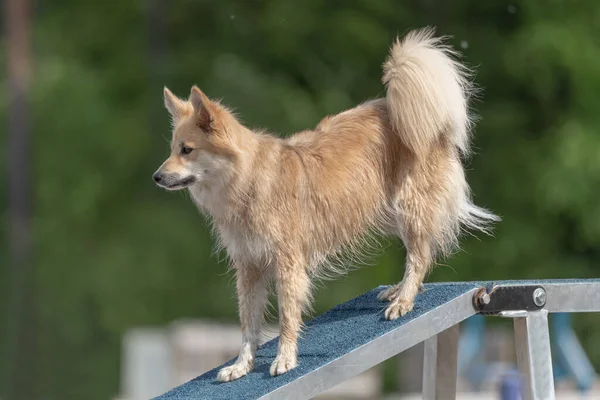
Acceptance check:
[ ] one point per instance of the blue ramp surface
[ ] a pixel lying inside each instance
(339, 331)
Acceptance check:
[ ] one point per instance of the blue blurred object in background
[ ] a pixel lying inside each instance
(511, 386)
(470, 355)
(570, 360)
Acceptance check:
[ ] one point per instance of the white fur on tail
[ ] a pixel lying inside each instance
(427, 97)
(427, 92)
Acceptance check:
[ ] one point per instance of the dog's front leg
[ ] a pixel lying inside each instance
(252, 298)
(293, 286)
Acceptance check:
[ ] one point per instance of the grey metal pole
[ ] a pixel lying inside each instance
(534, 358)
(440, 368)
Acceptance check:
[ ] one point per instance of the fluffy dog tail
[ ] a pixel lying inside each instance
(427, 92)
(427, 97)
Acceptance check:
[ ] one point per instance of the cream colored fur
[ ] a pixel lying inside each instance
(284, 209)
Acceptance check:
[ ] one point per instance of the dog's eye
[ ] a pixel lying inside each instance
(186, 150)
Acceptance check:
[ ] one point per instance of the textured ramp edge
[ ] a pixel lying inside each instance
(538, 282)
(326, 337)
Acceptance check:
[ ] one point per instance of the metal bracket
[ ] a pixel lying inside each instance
(495, 300)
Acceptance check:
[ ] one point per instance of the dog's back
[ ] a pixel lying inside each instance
(391, 165)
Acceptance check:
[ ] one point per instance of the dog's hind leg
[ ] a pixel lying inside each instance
(418, 262)
(427, 215)
(252, 295)
(392, 292)
(419, 210)
(293, 291)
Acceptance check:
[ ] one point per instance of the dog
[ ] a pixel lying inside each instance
(285, 209)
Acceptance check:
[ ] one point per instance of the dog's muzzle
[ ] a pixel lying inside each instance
(171, 181)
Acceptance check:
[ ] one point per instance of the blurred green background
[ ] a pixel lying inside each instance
(110, 251)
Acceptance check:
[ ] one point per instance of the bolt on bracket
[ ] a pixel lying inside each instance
(494, 299)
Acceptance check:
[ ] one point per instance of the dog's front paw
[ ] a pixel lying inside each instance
(398, 308)
(233, 372)
(283, 364)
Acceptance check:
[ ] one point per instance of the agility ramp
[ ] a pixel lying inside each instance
(354, 336)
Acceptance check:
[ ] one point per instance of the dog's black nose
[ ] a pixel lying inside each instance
(157, 177)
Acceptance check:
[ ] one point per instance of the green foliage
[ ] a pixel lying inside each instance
(113, 252)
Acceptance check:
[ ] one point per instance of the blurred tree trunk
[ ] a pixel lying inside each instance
(156, 52)
(20, 326)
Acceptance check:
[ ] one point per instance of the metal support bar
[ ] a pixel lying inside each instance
(440, 365)
(532, 342)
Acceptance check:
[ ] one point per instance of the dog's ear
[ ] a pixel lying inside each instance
(202, 108)
(174, 105)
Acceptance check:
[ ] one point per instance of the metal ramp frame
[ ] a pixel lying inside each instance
(569, 360)
(354, 336)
